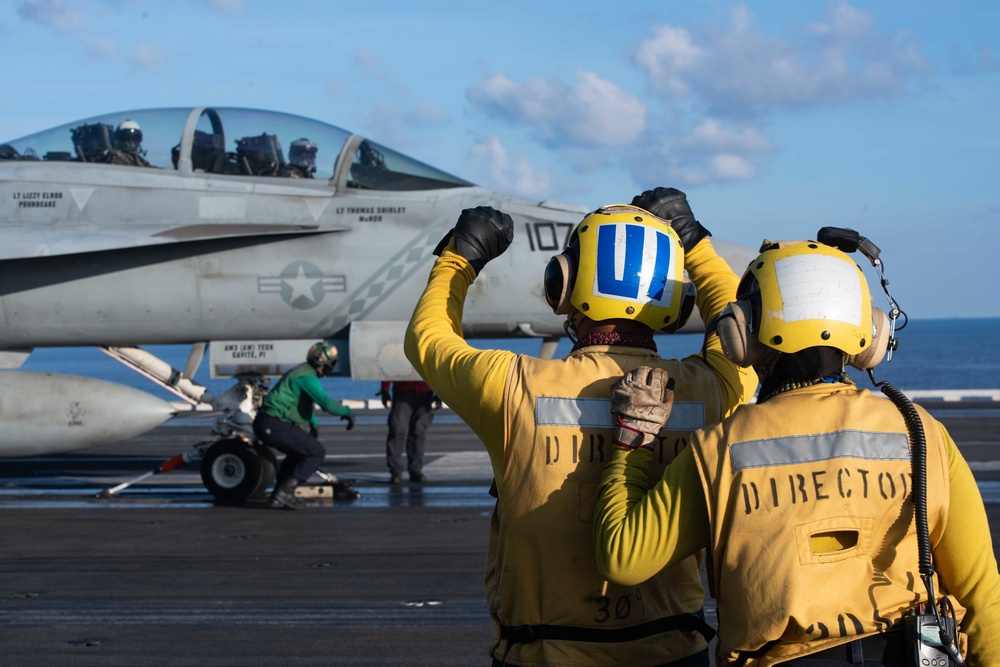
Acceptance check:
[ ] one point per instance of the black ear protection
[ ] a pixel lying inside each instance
(687, 307)
(560, 277)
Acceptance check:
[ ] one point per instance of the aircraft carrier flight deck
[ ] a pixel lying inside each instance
(162, 574)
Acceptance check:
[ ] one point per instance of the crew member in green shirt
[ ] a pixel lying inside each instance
(286, 422)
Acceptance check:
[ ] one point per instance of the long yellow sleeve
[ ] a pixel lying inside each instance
(469, 380)
(965, 562)
(636, 533)
(716, 288)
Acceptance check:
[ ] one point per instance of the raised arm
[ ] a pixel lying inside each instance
(714, 281)
(469, 380)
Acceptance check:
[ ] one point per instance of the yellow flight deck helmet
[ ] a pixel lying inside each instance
(622, 263)
(811, 294)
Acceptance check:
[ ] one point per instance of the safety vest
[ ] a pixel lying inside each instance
(541, 568)
(785, 479)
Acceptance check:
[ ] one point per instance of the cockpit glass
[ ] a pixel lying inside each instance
(250, 142)
(108, 139)
(376, 167)
(230, 141)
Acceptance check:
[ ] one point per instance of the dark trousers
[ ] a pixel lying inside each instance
(303, 453)
(409, 417)
(885, 650)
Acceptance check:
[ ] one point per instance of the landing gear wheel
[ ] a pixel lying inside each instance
(233, 470)
(268, 471)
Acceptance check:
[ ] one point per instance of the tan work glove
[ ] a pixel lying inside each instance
(641, 401)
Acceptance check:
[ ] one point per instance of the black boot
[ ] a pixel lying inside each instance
(283, 495)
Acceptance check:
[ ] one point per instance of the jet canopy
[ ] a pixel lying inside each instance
(232, 142)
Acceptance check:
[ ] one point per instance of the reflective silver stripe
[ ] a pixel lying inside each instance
(821, 447)
(596, 413)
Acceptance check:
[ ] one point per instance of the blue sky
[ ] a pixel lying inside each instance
(775, 118)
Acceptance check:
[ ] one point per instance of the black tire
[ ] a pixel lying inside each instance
(232, 470)
(268, 471)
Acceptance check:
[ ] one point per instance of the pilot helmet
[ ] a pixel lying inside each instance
(801, 294)
(323, 357)
(302, 153)
(128, 136)
(622, 262)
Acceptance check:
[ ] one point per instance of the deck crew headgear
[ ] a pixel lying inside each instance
(801, 294)
(622, 263)
(323, 357)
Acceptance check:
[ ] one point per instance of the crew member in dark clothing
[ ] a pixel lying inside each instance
(301, 160)
(286, 422)
(411, 412)
(128, 146)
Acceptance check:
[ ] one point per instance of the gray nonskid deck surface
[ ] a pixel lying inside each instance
(162, 575)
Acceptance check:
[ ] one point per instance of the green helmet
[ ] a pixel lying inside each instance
(323, 357)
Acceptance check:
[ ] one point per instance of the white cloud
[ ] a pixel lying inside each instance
(146, 56)
(101, 48)
(591, 112)
(508, 173)
(713, 86)
(230, 7)
(61, 15)
(729, 167)
(739, 70)
(711, 151)
(711, 134)
(666, 57)
(842, 22)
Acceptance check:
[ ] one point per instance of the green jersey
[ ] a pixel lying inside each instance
(292, 399)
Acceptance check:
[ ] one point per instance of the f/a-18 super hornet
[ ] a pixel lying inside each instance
(195, 226)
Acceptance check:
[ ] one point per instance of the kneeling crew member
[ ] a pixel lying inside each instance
(286, 422)
(804, 500)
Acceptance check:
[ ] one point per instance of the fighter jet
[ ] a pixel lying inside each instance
(194, 226)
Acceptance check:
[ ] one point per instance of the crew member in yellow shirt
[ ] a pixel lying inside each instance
(805, 500)
(546, 424)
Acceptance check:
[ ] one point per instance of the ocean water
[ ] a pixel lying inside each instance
(932, 354)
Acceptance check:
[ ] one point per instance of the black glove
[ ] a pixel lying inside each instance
(314, 431)
(481, 234)
(385, 396)
(672, 204)
(349, 419)
(436, 402)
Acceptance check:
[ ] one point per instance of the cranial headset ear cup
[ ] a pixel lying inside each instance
(560, 273)
(872, 355)
(687, 307)
(733, 332)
